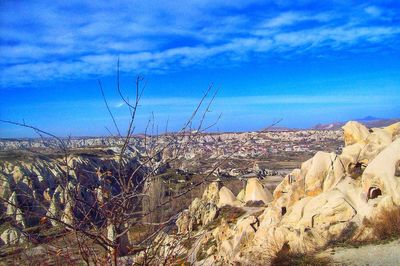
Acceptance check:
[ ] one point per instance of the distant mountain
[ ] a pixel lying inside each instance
(368, 121)
(370, 118)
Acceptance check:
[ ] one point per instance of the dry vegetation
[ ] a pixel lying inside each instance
(297, 259)
(107, 203)
(386, 225)
(229, 213)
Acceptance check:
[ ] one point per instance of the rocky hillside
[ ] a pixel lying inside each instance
(33, 186)
(247, 151)
(331, 197)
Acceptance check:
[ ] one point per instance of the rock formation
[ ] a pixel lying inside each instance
(202, 211)
(329, 195)
(54, 212)
(14, 211)
(256, 192)
(37, 189)
(226, 197)
(11, 236)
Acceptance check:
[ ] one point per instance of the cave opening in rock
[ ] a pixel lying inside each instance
(374, 192)
(283, 210)
(397, 169)
(356, 170)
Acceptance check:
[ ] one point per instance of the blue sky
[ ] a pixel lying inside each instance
(306, 62)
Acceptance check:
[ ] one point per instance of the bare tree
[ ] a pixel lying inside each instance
(100, 204)
(100, 201)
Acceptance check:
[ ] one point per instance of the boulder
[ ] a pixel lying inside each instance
(382, 175)
(393, 129)
(256, 192)
(226, 197)
(351, 154)
(322, 173)
(354, 132)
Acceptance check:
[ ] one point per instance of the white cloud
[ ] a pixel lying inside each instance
(119, 105)
(373, 11)
(41, 41)
(290, 18)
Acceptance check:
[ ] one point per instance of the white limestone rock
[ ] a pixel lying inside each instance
(255, 191)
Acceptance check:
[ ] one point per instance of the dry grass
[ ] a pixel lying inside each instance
(386, 225)
(255, 203)
(229, 213)
(139, 232)
(297, 259)
(284, 257)
(345, 239)
(63, 250)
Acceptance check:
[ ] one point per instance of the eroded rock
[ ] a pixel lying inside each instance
(255, 191)
(312, 206)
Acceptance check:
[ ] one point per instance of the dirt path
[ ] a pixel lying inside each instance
(383, 254)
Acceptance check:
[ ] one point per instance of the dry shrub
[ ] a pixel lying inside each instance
(294, 259)
(346, 238)
(255, 203)
(230, 213)
(386, 225)
(140, 232)
(285, 257)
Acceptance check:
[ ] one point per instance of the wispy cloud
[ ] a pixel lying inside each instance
(42, 41)
(221, 103)
(292, 17)
(373, 11)
(119, 104)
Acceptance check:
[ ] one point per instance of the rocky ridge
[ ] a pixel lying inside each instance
(327, 198)
(42, 186)
(266, 153)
